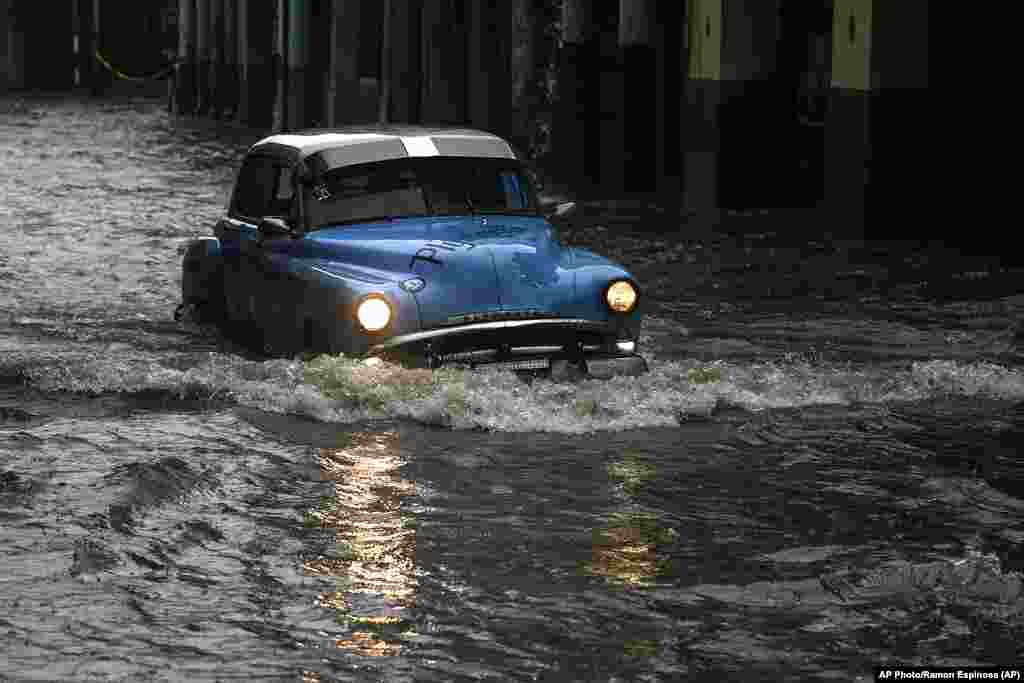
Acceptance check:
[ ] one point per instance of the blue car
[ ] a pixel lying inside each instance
(426, 245)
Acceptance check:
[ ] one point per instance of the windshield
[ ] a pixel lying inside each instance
(418, 187)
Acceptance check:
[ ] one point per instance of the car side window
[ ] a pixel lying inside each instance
(264, 188)
(284, 192)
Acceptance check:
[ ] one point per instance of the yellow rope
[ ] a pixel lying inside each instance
(125, 77)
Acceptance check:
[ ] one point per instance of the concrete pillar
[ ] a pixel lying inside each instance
(299, 18)
(430, 14)
(87, 64)
(846, 134)
(280, 64)
(496, 48)
(909, 165)
(216, 52)
(404, 70)
(575, 140)
(18, 51)
(851, 44)
(203, 61)
(100, 78)
(256, 42)
(76, 46)
(343, 86)
(242, 101)
(384, 104)
(14, 41)
(488, 37)
(640, 94)
(5, 33)
(319, 61)
(700, 129)
(760, 141)
(671, 71)
(14, 47)
(444, 62)
(480, 45)
(185, 71)
(229, 79)
(14, 53)
(97, 22)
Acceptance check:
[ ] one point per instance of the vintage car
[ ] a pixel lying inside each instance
(424, 244)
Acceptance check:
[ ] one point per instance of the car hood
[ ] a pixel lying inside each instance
(471, 264)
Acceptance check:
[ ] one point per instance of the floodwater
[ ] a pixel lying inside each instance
(821, 473)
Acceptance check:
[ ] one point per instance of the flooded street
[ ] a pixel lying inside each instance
(821, 473)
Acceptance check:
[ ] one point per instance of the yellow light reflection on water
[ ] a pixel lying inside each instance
(626, 551)
(625, 554)
(375, 562)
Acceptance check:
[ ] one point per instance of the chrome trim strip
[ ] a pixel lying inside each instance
(498, 316)
(327, 273)
(535, 349)
(345, 274)
(477, 327)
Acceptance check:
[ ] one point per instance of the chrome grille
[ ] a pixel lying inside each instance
(497, 316)
(529, 364)
(488, 355)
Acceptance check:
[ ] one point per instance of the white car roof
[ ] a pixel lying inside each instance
(343, 147)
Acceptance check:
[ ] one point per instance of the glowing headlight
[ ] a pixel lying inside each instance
(374, 314)
(621, 297)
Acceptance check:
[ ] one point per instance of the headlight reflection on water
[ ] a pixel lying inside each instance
(374, 565)
(628, 550)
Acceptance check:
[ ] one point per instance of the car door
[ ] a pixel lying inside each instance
(271, 263)
(255, 197)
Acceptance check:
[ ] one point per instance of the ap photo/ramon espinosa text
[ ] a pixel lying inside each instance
(948, 673)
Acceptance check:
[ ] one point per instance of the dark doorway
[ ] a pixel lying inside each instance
(46, 37)
(772, 125)
(804, 67)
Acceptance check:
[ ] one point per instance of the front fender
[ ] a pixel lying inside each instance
(592, 275)
(334, 311)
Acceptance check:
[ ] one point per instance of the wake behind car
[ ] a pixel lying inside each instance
(423, 244)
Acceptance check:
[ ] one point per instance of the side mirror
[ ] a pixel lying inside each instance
(563, 210)
(271, 227)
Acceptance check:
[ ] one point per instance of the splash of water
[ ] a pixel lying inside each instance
(342, 389)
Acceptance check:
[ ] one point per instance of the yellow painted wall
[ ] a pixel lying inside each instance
(851, 44)
(705, 39)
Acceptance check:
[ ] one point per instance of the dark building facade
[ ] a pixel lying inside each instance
(718, 103)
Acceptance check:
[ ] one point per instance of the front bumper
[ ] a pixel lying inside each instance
(557, 346)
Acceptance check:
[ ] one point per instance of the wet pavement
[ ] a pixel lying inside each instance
(821, 473)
